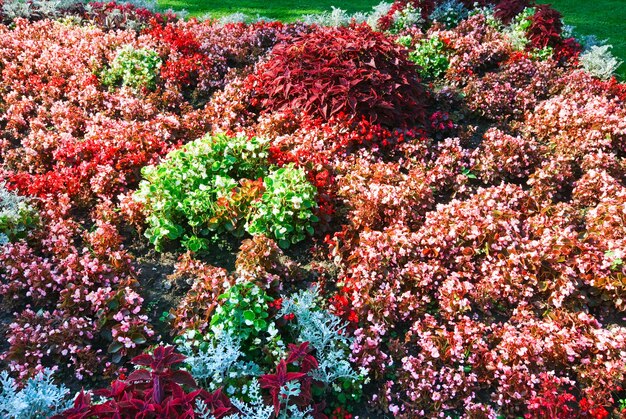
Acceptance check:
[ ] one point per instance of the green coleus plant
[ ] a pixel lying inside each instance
(285, 211)
(134, 68)
(217, 185)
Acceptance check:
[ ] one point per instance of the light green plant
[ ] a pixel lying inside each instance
(194, 194)
(243, 313)
(516, 31)
(431, 56)
(285, 211)
(133, 68)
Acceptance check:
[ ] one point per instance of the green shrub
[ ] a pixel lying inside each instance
(202, 189)
(215, 184)
(432, 58)
(285, 211)
(134, 68)
(243, 312)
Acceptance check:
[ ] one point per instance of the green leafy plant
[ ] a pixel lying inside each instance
(202, 189)
(285, 211)
(516, 31)
(243, 313)
(133, 68)
(431, 57)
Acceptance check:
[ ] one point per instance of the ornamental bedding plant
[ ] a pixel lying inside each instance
(419, 212)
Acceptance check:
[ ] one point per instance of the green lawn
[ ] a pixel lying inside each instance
(604, 18)
(285, 10)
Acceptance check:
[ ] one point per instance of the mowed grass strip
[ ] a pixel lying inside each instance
(285, 10)
(604, 18)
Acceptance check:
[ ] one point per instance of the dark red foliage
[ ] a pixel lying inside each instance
(330, 71)
(567, 50)
(546, 27)
(298, 354)
(154, 392)
(506, 10)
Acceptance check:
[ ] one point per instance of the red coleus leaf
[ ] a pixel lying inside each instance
(331, 70)
(274, 382)
(139, 375)
(182, 378)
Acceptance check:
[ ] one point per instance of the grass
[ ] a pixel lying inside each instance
(285, 10)
(604, 18)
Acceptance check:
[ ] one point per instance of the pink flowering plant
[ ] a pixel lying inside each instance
(416, 212)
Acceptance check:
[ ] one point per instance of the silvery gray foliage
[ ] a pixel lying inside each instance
(336, 17)
(255, 409)
(378, 11)
(39, 398)
(325, 332)
(10, 202)
(339, 17)
(407, 18)
(15, 211)
(599, 61)
(587, 41)
(237, 17)
(142, 4)
(449, 13)
(13, 9)
(217, 361)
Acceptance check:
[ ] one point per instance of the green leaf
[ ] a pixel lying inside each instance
(249, 315)
(138, 338)
(114, 347)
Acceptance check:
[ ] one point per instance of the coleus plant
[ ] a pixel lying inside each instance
(350, 70)
(156, 391)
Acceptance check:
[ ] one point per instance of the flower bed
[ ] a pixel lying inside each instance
(417, 212)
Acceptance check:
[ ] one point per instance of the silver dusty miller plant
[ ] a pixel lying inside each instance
(218, 360)
(599, 61)
(325, 332)
(39, 398)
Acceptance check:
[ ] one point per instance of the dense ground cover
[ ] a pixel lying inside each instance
(417, 212)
